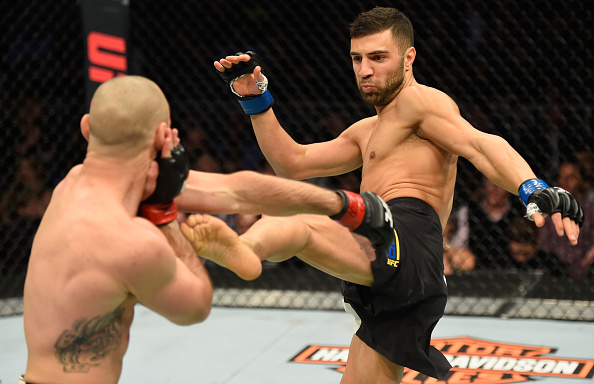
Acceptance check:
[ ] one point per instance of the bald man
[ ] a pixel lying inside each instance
(93, 258)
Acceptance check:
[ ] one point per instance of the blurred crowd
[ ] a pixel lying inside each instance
(508, 77)
(490, 232)
(487, 229)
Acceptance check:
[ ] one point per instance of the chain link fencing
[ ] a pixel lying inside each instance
(521, 70)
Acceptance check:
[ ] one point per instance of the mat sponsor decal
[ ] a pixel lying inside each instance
(473, 361)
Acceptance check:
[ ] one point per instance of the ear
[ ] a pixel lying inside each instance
(85, 128)
(409, 58)
(163, 131)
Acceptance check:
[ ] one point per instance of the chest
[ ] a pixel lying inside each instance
(388, 137)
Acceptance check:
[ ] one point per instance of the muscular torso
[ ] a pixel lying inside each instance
(77, 312)
(398, 161)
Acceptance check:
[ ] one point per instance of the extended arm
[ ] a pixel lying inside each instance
(496, 159)
(254, 193)
(243, 74)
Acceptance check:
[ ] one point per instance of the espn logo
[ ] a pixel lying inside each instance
(106, 55)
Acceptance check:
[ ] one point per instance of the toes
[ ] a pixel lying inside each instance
(187, 232)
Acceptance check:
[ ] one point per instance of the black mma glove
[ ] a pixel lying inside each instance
(159, 208)
(368, 215)
(252, 104)
(538, 197)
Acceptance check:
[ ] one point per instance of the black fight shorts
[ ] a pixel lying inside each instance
(408, 296)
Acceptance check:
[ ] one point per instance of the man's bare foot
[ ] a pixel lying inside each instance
(215, 241)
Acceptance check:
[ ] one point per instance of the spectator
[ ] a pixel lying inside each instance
(576, 259)
(585, 161)
(489, 221)
(456, 259)
(524, 252)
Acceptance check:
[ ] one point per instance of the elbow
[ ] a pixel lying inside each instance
(288, 169)
(291, 174)
(195, 317)
(200, 312)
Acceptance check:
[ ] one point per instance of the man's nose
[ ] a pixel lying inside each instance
(365, 70)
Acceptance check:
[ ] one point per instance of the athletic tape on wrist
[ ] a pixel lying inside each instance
(531, 209)
(258, 104)
(262, 85)
(530, 186)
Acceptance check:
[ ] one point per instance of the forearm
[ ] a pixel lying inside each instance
(502, 164)
(279, 148)
(253, 193)
(201, 280)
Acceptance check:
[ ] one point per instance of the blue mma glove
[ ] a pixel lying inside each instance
(251, 104)
(159, 208)
(368, 215)
(538, 197)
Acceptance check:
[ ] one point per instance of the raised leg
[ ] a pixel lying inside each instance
(315, 239)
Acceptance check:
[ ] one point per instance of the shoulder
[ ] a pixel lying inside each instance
(69, 178)
(149, 254)
(360, 129)
(423, 99)
(365, 123)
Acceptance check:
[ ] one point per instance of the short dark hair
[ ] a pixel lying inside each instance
(380, 19)
(522, 231)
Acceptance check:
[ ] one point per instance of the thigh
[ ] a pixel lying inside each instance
(366, 366)
(332, 248)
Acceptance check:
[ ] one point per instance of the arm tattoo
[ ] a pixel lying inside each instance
(89, 341)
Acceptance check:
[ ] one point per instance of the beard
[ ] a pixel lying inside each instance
(387, 92)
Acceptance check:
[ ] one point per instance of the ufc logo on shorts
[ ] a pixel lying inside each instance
(107, 56)
(394, 252)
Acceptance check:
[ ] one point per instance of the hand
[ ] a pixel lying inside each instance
(243, 75)
(565, 211)
(566, 214)
(245, 85)
(171, 141)
(174, 168)
(563, 225)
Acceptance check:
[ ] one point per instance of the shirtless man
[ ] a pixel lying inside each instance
(408, 153)
(93, 258)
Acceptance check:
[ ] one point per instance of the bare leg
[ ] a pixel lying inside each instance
(315, 239)
(366, 366)
(215, 241)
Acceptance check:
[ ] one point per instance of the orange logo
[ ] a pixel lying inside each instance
(473, 361)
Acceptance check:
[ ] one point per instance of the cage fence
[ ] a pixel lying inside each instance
(521, 70)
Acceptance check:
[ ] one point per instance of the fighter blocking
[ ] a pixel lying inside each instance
(159, 208)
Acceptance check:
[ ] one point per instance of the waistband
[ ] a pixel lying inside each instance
(416, 204)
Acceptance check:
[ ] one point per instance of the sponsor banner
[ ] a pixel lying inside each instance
(474, 361)
(106, 34)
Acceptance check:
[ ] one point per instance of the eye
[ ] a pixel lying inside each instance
(356, 59)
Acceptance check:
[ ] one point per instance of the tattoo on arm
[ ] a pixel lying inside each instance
(87, 343)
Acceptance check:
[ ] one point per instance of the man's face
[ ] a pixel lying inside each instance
(569, 177)
(378, 67)
(522, 252)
